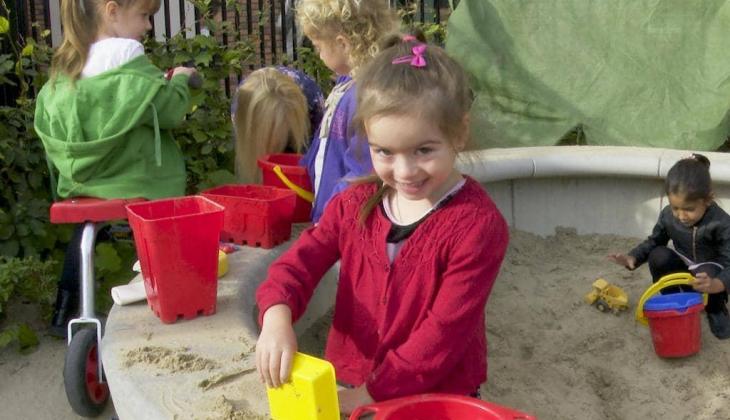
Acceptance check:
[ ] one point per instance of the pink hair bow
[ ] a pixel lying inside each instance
(416, 59)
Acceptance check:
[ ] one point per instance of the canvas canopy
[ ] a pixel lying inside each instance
(636, 73)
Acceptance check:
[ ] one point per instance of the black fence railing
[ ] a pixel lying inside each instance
(270, 23)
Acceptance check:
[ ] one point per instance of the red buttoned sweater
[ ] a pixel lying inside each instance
(416, 325)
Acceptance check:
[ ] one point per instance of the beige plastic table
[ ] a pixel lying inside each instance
(151, 366)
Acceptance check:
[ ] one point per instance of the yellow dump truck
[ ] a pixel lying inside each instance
(606, 296)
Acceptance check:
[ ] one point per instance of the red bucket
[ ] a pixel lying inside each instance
(255, 215)
(674, 321)
(438, 407)
(177, 245)
(292, 174)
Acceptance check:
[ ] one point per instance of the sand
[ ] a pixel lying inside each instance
(554, 356)
(170, 360)
(550, 354)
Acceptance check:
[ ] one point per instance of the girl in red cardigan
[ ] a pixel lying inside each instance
(419, 244)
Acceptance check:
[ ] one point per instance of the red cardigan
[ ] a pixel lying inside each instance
(416, 325)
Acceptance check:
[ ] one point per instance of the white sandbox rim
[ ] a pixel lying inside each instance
(594, 189)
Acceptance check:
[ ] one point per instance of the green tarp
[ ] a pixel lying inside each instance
(630, 72)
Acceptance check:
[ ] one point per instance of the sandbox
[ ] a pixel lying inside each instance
(550, 354)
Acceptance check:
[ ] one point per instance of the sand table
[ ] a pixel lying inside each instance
(552, 355)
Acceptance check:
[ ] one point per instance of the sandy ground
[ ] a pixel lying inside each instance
(553, 356)
(31, 385)
(550, 354)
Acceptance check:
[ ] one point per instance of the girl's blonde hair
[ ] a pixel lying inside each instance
(438, 91)
(271, 114)
(81, 20)
(362, 22)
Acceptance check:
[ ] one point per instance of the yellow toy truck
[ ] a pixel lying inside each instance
(606, 296)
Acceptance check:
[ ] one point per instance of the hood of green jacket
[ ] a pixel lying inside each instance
(81, 122)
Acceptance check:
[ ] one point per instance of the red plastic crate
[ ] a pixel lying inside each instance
(177, 245)
(289, 164)
(255, 215)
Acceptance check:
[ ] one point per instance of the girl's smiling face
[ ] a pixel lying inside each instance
(688, 212)
(412, 156)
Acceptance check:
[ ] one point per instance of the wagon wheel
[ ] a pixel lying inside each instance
(602, 306)
(86, 394)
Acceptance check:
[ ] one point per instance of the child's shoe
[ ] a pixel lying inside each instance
(719, 323)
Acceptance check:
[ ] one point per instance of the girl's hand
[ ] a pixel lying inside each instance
(276, 346)
(189, 71)
(350, 399)
(622, 259)
(706, 284)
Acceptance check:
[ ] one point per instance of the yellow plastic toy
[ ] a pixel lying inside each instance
(669, 280)
(607, 296)
(311, 393)
(222, 263)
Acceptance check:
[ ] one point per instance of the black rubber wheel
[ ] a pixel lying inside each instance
(601, 306)
(86, 394)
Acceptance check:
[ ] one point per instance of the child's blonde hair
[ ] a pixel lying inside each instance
(81, 21)
(393, 84)
(362, 22)
(271, 114)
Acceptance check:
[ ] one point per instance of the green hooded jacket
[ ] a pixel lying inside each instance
(109, 135)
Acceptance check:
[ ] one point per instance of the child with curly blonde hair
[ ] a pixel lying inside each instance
(345, 33)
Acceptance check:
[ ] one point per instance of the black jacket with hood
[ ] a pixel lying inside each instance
(708, 240)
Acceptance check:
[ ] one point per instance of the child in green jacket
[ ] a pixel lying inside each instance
(106, 113)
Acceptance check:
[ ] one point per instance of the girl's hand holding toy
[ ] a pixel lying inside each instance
(276, 346)
(706, 284)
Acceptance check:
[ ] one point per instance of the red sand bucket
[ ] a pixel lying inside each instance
(289, 175)
(177, 245)
(674, 321)
(255, 215)
(438, 407)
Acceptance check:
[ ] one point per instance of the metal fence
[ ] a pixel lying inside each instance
(270, 23)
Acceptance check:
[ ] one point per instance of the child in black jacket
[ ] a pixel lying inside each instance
(700, 234)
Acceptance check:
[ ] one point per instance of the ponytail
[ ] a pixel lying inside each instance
(373, 201)
(80, 23)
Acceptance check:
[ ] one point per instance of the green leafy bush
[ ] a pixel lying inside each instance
(29, 281)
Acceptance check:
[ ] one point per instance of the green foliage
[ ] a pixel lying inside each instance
(30, 281)
(21, 334)
(435, 32)
(205, 137)
(309, 62)
(24, 186)
(113, 267)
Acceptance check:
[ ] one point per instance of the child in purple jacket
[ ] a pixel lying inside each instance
(345, 33)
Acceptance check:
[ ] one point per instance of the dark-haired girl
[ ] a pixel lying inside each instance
(700, 234)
